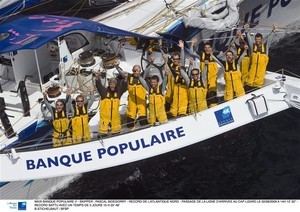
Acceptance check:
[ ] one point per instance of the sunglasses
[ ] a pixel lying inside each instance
(79, 100)
(59, 105)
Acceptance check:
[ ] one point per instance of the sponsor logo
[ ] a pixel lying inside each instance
(12, 205)
(224, 116)
(22, 206)
(136, 144)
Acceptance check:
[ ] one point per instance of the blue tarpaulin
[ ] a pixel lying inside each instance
(31, 32)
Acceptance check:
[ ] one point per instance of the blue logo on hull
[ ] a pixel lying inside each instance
(22, 206)
(224, 116)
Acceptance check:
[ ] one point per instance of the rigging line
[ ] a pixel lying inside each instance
(179, 14)
(24, 10)
(292, 73)
(127, 10)
(72, 7)
(83, 3)
(18, 121)
(156, 18)
(37, 5)
(62, 11)
(13, 12)
(138, 4)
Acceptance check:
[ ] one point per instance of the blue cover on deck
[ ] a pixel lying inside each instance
(31, 32)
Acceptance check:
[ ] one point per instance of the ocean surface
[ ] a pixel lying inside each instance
(258, 161)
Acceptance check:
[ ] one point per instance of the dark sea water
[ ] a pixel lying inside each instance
(260, 160)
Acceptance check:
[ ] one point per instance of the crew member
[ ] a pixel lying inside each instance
(209, 70)
(259, 58)
(136, 96)
(234, 86)
(61, 123)
(156, 91)
(196, 90)
(177, 61)
(238, 50)
(180, 91)
(109, 105)
(80, 118)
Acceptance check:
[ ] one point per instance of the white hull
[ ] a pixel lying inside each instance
(113, 152)
(141, 144)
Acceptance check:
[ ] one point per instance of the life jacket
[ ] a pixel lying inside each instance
(61, 125)
(212, 70)
(204, 57)
(110, 105)
(197, 96)
(234, 86)
(245, 64)
(170, 87)
(239, 51)
(259, 62)
(176, 68)
(109, 113)
(155, 91)
(230, 66)
(178, 79)
(256, 49)
(136, 90)
(80, 125)
(231, 71)
(61, 122)
(156, 105)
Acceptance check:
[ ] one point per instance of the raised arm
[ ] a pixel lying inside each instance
(122, 87)
(192, 49)
(185, 77)
(218, 61)
(69, 107)
(144, 83)
(270, 38)
(91, 99)
(48, 105)
(249, 38)
(120, 70)
(100, 88)
(182, 53)
(242, 55)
